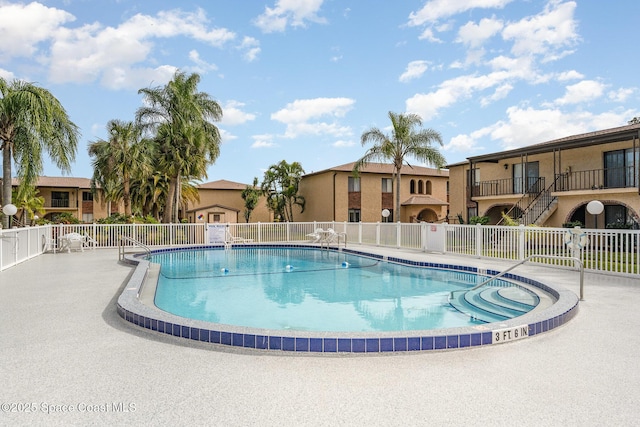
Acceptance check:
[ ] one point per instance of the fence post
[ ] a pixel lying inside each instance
(398, 234)
(478, 240)
(259, 232)
(378, 233)
(521, 240)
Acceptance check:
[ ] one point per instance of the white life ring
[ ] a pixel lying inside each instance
(576, 239)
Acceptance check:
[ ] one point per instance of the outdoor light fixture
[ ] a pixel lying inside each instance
(506, 165)
(595, 208)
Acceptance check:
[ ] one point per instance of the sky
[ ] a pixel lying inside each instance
(301, 80)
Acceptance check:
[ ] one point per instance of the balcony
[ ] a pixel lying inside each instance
(509, 186)
(598, 179)
(57, 203)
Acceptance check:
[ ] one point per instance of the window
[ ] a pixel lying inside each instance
(387, 186)
(531, 184)
(87, 196)
(87, 217)
(354, 184)
(621, 168)
(388, 218)
(59, 199)
(420, 187)
(471, 212)
(354, 215)
(412, 186)
(428, 187)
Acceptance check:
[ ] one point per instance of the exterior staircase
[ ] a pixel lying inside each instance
(534, 208)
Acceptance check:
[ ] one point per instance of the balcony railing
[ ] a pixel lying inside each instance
(502, 187)
(57, 203)
(598, 179)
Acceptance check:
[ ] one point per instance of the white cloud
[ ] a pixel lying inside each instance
(233, 115)
(202, 66)
(342, 143)
(528, 126)
(289, 12)
(547, 33)
(23, 27)
(119, 57)
(451, 91)
(584, 91)
(302, 116)
(474, 35)
(7, 75)
(570, 75)
(415, 69)
(263, 141)
(435, 10)
(622, 94)
(251, 48)
(501, 92)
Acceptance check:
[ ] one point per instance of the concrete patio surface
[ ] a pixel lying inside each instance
(64, 350)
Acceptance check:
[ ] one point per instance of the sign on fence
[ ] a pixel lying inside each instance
(216, 233)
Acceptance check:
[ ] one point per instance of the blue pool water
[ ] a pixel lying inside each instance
(307, 289)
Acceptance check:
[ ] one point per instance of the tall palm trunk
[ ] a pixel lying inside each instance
(167, 215)
(6, 180)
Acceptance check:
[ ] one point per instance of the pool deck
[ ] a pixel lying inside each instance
(64, 348)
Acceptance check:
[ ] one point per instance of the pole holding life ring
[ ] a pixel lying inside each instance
(576, 239)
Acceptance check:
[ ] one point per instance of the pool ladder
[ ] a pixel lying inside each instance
(558, 257)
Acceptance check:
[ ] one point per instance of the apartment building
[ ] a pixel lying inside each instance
(334, 194)
(552, 183)
(69, 195)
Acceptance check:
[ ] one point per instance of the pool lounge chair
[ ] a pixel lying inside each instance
(316, 236)
(230, 239)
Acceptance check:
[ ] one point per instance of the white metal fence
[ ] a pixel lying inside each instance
(614, 251)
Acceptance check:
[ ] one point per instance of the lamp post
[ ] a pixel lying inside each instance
(595, 208)
(9, 210)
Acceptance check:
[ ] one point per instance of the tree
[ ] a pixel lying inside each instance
(280, 186)
(251, 196)
(29, 203)
(403, 142)
(116, 159)
(32, 120)
(187, 141)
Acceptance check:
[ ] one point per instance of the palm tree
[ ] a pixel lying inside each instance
(251, 196)
(280, 186)
(32, 120)
(29, 203)
(116, 159)
(403, 142)
(188, 141)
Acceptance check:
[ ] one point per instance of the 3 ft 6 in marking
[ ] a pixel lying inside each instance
(510, 334)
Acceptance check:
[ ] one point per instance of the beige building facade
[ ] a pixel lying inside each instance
(335, 194)
(70, 195)
(552, 183)
(221, 202)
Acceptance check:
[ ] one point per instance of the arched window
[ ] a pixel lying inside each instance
(412, 186)
(420, 187)
(428, 187)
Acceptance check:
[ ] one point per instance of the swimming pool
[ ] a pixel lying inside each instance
(312, 290)
(133, 306)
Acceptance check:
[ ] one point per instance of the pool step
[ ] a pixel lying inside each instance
(494, 304)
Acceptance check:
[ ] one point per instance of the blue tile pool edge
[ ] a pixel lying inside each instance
(130, 308)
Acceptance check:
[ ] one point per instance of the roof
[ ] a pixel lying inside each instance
(605, 136)
(202, 208)
(387, 169)
(222, 184)
(59, 181)
(424, 200)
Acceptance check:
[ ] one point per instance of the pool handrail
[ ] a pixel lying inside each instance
(559, 257)
(121, 246)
